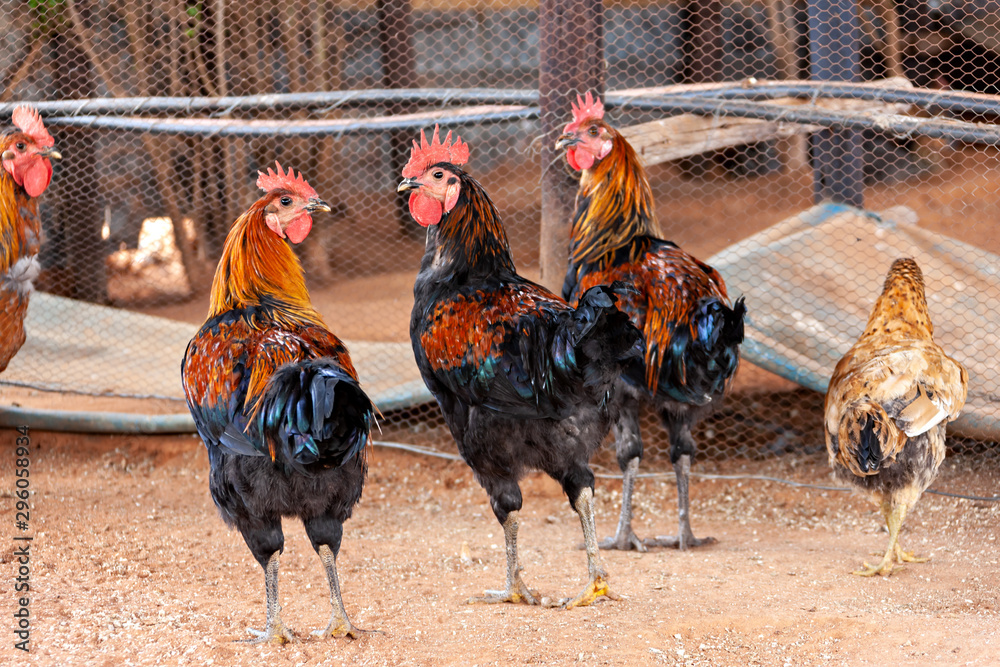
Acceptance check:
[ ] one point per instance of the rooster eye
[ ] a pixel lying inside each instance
(286, 201)
(19, 145)
(438, 174)
(593, 131)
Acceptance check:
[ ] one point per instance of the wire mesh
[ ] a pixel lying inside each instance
(189, 99)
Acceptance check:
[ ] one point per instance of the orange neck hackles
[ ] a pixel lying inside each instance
(259, 268)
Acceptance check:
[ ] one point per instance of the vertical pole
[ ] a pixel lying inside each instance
(81, 208)
(399, 70)
(834, 47)
(572, 62)
(704, 47)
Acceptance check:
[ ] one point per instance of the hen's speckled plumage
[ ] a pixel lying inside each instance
(888, 402)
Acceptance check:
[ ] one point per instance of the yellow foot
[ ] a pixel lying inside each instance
(597, 588)
(884, 568)
(276, 633)
(520, 596)
(908, 557)
(338, 629)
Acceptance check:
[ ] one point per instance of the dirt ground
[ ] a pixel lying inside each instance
(132, 566)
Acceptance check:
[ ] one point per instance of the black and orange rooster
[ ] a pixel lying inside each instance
(524, 380)
(692, 335)
(887, 405)
(275, 397)
(25, 153)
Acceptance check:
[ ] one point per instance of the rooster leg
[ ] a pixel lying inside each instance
(276, 630)
(340, 625)
(894, 516)
(681, 449)
(597, 586)
(906, 556)
(516, 591)
(628, 447)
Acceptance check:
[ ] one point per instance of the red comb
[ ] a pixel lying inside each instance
(586, 108)
(285, 181)
(28, 121)
(425, 154)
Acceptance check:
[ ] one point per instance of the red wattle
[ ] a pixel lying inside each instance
(579, 159)
(298, 229)
(37, 177)
(425, 210)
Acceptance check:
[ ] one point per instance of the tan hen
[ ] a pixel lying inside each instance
(888, 403)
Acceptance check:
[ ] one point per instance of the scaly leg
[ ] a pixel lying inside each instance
(684, 538)
(597, 586)
(625, 538)
(276, 630)
(628, 448)
(516, 591)
(894, 516)
(340, 625)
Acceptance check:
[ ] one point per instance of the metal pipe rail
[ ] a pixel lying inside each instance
(321, 102)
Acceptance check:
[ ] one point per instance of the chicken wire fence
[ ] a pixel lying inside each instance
(164, 111)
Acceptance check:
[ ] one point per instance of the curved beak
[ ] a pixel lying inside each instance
(316, 204)
(7, 155)
(566, 141)
(50, 152)
(408, 184)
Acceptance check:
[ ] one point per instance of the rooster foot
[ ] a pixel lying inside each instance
(908, 557)
(518, 594)
(884, 568)
(623, 541)
(675, 542)
(276, 633)
(598, 587)
(337, 629)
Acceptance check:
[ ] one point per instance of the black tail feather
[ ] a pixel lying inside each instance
(313, 413)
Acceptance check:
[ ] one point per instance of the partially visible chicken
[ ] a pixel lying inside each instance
(25, 154)
(692, 332)
(887, 405)
(524, 380)
(276, 399)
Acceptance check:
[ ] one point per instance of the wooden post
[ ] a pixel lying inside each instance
(834, 55)
(703, 47)
(399, 70)
(82, 212)
(572, 62)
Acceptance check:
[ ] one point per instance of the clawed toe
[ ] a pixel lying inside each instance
(674, 542)
(340, 630)
(626, 542)
(276, 634)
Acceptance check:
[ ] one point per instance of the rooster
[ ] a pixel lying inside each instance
(524, 381)
(692, 335)
(275, 397)
(888, 403)
(25, 153)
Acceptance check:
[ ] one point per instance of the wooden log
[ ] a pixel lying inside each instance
(687, 135)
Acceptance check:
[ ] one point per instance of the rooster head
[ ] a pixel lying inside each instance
(587, 139)
(432, 176)
(25, 152)
(290, 203)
